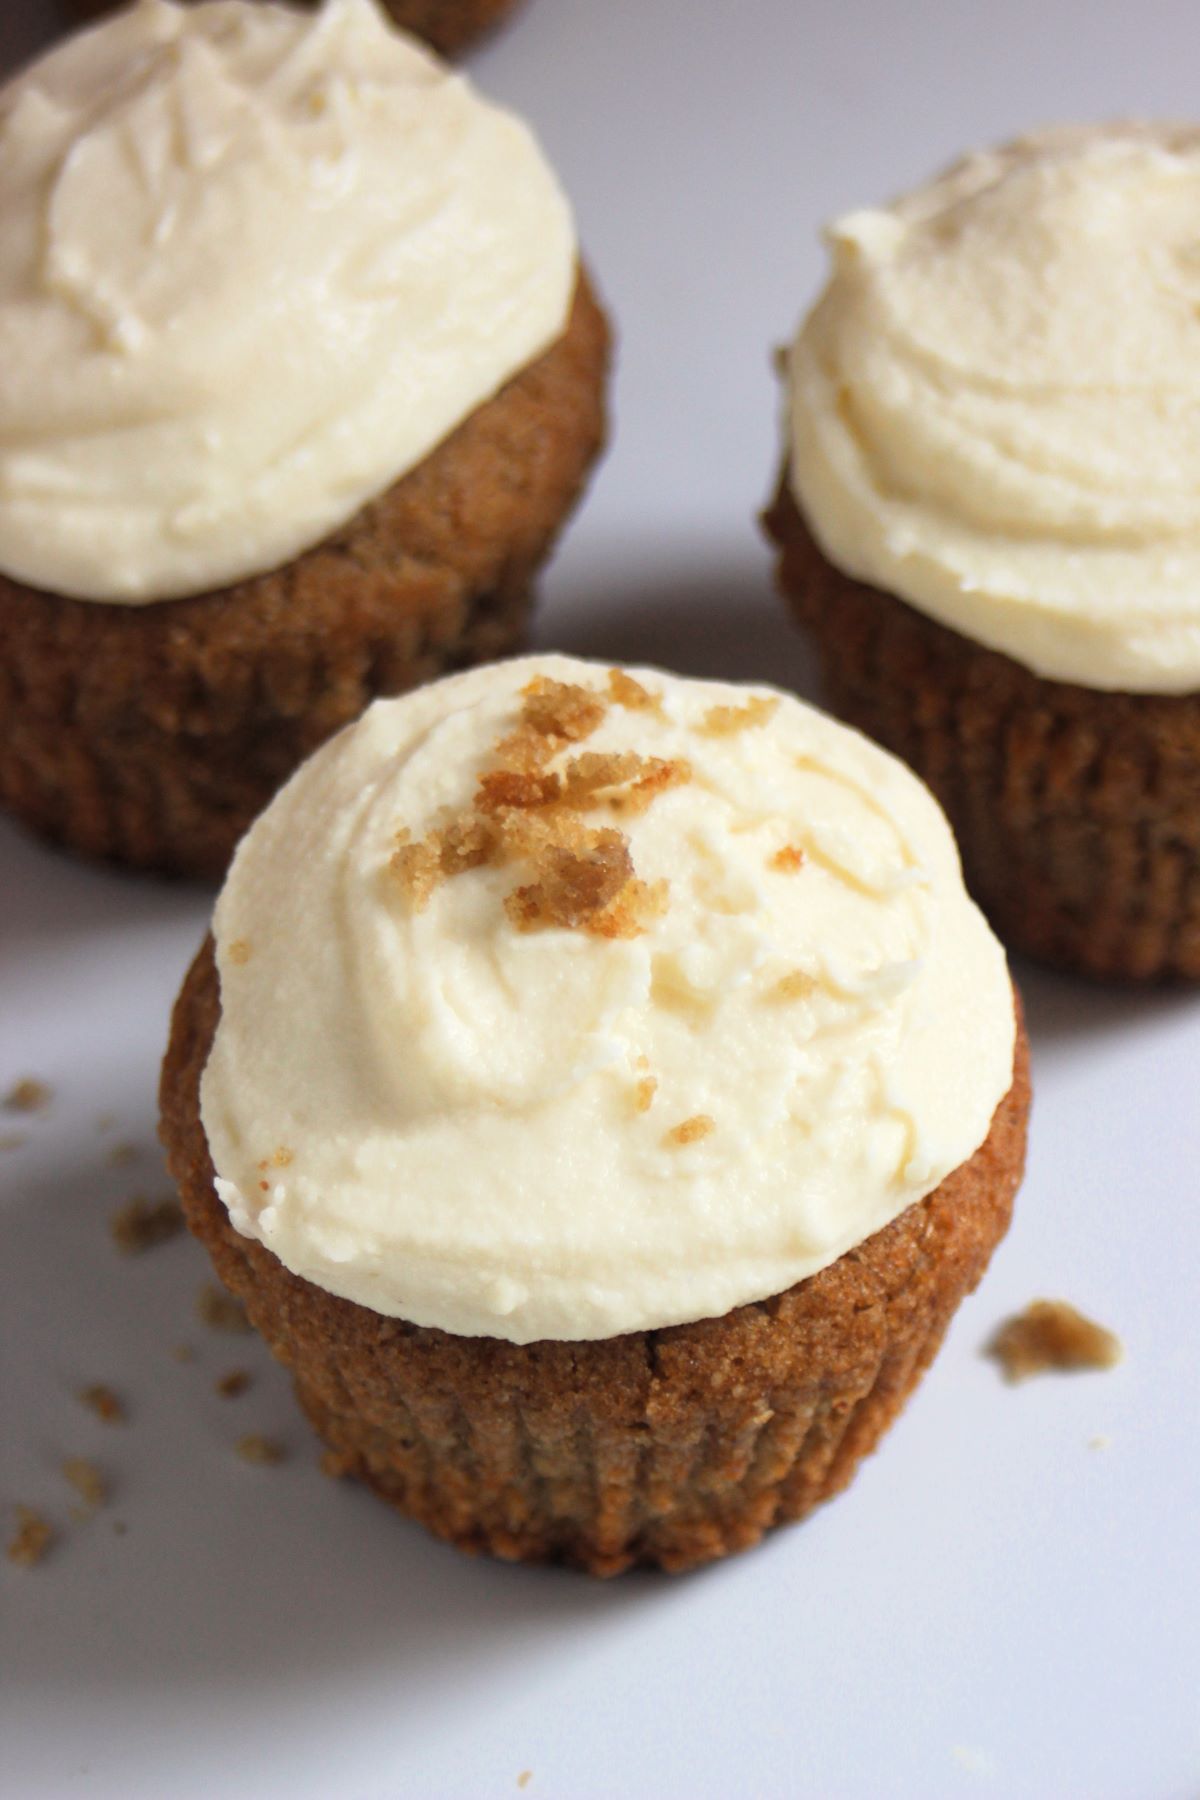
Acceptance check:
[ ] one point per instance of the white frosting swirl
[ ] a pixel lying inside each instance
(436, 1114)
(255, 263)
(995, 405)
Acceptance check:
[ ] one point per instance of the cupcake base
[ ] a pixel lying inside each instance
(1077, 812)
(153, 735)
(669, 1448)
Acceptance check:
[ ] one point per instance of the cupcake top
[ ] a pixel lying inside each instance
(255, 264)
(995, 405)
(561, 1002)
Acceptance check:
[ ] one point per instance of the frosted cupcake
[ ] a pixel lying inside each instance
(448, 26)
(299, 379)
(601, 1092)
(989, 521)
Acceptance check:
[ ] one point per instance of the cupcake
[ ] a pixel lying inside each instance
(448, 26)
(300, 377)
(989, 521)
(600, 1091)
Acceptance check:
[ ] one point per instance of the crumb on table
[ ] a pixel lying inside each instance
(1052, 1335)
(232, 1383)
(104, 1403)
(119, 1156)
(87, 1481)
(142, 1224)
(220, 1310)
(255, 1448)
(182, 1353)
(13, 1140)
(28, 1095)
(32, 1538)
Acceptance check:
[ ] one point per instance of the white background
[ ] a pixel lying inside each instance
(999, 1607)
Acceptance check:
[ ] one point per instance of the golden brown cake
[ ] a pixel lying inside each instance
(986, 519)
(272, 443)
(715, 1229)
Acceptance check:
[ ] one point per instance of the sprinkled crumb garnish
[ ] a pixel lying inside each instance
(1052, 1335)
(724, 721)
(524, 1778)
(28, 1095)
(121, 1155)
(32, 1538)
(142, 1224)
(645, 1091)
(12, 1140)
(220, 1310)
(87, 1481)
(258, 1449)
(795, 985)
(239, 951)
(690, 1131)
(104, 1403)
(281, 1157)
(788, 860)
(628, 692)
(523, 812)
(230, 1385)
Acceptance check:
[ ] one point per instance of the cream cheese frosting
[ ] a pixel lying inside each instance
(255, 263)
(995, 404)
(433, 1093)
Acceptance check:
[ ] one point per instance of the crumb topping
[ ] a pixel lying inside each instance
(1052, 1335)
(87, 1481)
(727, 721)
(644, 1093)
(792, 986)
(28, 1095)
(233, 1383)
(220, 1310)
(526, 813)
(254, 1448)
(788, 860)
(142, 1224)
(239, 951)
(104, 1403)
(32, 1538)
(690, 1131)
(624, 690)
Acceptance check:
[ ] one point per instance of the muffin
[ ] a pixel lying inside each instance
(601, 1091)
(294, 404)
(988, 520)
(448, 26)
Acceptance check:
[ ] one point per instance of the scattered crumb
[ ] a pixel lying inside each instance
(690, 1131)
(104, 1403)
(792, 986)
(87, 1481)
(32, 1538)
(105, 1121)
(624, 690)
(142, 1224)
(976, 1762)
(524, 1778)
(121, 1155)
(182, 1353)
(239, 951)
(646, 1089)
(28, 1095)
(258, 1449)
(235, 1382)
(724, 721)
(119, 1528)
(12, 1140)
(788, 860)
(220, 1310)
(1051, 1334)
(1100, 1442)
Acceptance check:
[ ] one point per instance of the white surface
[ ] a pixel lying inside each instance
(995, 1608)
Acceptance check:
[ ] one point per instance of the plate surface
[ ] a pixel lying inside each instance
(1005, 1603)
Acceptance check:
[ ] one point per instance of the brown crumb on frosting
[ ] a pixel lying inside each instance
(725, 721)
(142, 1224)
(795, 985)
(523, 812)
(644, 1093)
(239, 951)
(220, 1310)
(28, 1095)
(104, 1403)
(625, 690)
(255, 1448)
(788, 860)
(232, 1383)
(278, 1159)
(87, 1481)
(1052, 1335)
(32, 1538)
(690, 1131)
